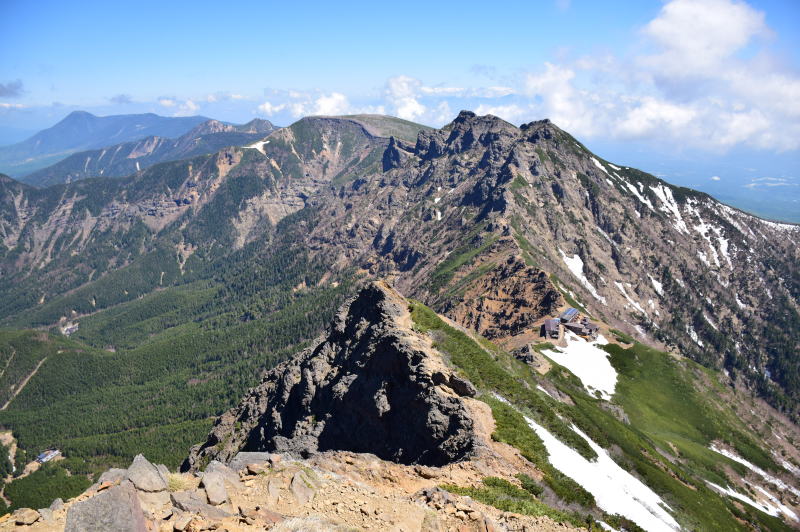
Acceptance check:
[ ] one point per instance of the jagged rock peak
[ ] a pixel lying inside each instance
(467, 131)
(372, 385)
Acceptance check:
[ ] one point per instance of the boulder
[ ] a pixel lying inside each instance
(113, 475)
(115, 509)
(242, 459)
(164, 472)
(194, 502)
(224, 471)
(214, 484)
(301, 487)
(25, 516)
(57, 505)
(145, 476)
(46, 514)
(153, 503)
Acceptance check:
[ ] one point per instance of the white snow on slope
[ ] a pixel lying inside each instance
(617, 168)
(713, 325)
(438, 215)
(638, 194)
(600, 166)
(765, 507)
(693, 336)
(437, 200)
(633, 303)
(137, 167)
(657, 285)
(257, 146)
(739, 301)
(615, 490)
(669, 205)
(588, 362)
(575, 265)
(538, 387)
(755, 469)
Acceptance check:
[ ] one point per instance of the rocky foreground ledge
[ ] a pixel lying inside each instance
(333, 491)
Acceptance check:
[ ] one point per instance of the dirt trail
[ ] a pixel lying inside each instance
(8, 362)
(23, 384)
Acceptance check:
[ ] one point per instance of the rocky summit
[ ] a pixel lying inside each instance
(372, 385)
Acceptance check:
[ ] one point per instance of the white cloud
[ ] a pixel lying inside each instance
(760, 182)
(402, 94)
(269, 109)
(695, 35)
(509, 113)
(4, 105)
(651, 116)
(715, 178)
(334, 103)
(167, 102)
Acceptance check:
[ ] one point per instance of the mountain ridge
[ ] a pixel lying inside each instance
(83, 130)
(131, 157)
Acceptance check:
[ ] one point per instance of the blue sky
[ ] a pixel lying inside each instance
(691, 89)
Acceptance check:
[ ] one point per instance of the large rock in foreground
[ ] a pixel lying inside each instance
(372, 386)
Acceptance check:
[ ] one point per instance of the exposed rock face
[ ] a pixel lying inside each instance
(507, 301)
(373, 386)
(114, 509)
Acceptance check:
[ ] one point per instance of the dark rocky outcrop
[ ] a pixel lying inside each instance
(372, 386)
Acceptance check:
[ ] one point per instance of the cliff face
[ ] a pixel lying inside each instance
(372, 385)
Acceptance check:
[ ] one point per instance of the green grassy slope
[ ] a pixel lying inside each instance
(665, 402)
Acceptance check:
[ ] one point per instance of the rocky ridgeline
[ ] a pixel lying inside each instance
(333, 492)
(372, 385)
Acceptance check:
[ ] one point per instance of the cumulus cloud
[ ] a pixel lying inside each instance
(4, 105)
(270, 109)
(167, 102)
(697, 35)
(12, 89)
(121, 99)
(334, 103)
(715, 178)
(705, 80)
(402, 93)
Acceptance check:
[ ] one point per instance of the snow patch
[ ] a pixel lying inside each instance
(773, 510)
(755, 469)
(669, 205)
(659, 288)
(633, 303)
(713, 325)
(588, 362)
(137, 167)
(617, 168)
(600, 166)
(638, 194)
(575, 265)
(615, 490)
(437, 200)
(739, 302)
(693, 336)
(538, 387)
(259, 146)
(438, 215)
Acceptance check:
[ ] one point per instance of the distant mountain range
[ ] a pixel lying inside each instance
(129, 157)
(84, 131)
